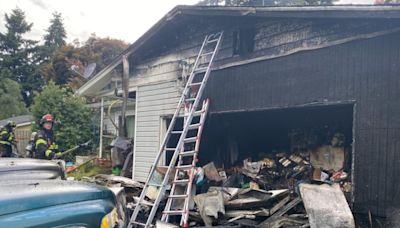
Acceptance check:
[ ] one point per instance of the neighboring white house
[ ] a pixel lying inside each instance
(157, 94)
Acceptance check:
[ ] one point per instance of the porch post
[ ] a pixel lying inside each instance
(101, 127)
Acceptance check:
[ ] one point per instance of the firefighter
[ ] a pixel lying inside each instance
(44, 142)
(7, 139)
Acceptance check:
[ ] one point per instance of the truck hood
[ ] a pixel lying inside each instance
(26, 169)
(17, 196)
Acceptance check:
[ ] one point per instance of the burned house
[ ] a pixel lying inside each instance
(286, 81)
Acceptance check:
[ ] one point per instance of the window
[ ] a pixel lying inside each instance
(132, 95)
(130, 126)
(243, 41)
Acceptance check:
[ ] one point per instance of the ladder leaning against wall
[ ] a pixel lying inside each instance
(185, 150)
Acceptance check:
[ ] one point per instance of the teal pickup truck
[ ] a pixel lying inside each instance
(56, 203)
(34, 195)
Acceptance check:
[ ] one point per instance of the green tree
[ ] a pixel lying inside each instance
(55, 36)
(58, 67)
(56, 33)
(11, 102)
(67, 108)
(95, 50)
(102, 50)
(19, 54)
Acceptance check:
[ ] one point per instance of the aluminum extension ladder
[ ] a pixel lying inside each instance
(187, 145)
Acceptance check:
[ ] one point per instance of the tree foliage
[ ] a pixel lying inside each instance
(56, 34)
(25, 64)
(95, 50)
(11, 101)
(54, 38)
(58, 67)
(18, 54)
(102, 50)
(68, 108)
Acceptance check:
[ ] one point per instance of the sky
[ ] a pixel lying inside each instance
(121, 19)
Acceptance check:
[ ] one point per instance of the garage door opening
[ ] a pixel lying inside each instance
(321, 135)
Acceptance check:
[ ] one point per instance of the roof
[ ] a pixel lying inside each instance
(19, 120)
(183, 14)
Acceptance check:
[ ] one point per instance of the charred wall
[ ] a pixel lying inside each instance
(365, 72)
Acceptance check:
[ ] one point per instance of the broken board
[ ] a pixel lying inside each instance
(326, 206)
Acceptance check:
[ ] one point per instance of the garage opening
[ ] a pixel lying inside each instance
(318, 138)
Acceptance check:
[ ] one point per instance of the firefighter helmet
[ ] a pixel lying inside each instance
(47, 118)
(11, 123)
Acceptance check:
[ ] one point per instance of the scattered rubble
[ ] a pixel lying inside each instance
(117, 181)
(301, 187)
(132, 189)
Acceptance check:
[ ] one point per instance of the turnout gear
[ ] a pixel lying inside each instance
(45, 147)
(7, 139)
(44, 141)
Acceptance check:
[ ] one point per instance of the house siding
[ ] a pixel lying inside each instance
(153, 102)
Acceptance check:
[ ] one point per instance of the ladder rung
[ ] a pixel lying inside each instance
(147, 203)
(190, 99)
(170, 149)
(188, 153)
(196, 113)
(174, 212)
(189, 140)
(138, 223)
(200, 70)
(195, 83)
(184, 167)
(181, 181)
(212, 41)
(154, 184)
(177, 196)
(176, 132)
(194, 126)
(207, 53)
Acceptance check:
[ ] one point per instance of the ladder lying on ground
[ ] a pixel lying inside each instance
(187, 147)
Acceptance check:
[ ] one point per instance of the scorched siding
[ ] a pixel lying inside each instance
(365, 72)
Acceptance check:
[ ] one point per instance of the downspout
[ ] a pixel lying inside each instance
(125, 91)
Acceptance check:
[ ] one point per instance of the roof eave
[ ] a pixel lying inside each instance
(337, 11)
(84, 90)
